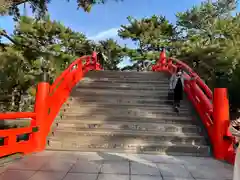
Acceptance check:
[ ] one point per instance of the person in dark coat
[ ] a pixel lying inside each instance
(177, 87)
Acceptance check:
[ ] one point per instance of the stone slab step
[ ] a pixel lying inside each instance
(128, 81)
(169, 149)
(81, 110)
(91, 115)
(123, 114)
(119, 74)
(126, 104)
(125, 72)
(144, 79)
(104, 135)
(130, 105)
(94, 91)
(121, 98)
(110, 94)
(94, 106)
(101, 101)
(117, 125)
(126, 119)
(123, 86)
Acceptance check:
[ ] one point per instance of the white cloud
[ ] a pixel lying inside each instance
(126, 61)
(110, 33)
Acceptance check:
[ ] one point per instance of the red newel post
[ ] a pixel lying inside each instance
(163, 58)
(41, 109)
(221, 121)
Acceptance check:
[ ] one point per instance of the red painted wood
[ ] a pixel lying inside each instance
(49, 99)
(214, 112)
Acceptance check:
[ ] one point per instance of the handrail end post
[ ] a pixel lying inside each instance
(221, 121)
(163, 57)
(41, 110)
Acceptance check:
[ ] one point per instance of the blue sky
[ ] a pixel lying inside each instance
(104, 20)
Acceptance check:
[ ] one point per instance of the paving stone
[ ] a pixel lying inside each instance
(80, 176)
(69, 157)
(86, 167)
(214, 179)
(44, 153)
(212, 173)
(174, 170)
(154, 158)
(207, 161)
(16, 175)
(115, 167)
(57, 165)
(2, 169)
(89, 156)
(176, 178)
(144, 169)
(43, 175)
(112, 156)
(28, 163)
(113, 177)
(145, 177)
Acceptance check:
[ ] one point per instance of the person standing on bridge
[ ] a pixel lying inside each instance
(177, 87)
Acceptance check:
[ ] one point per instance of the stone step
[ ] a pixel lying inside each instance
(132, 79)
(139, 73)
(125, 125)
(105, 117)
(116, 110)
(101, 100)
(93, 106)
(119, 74)
(110, 92)
(104, 135)
(119, 98)
(113, 94)
(124, 114)
(123, 86)
(167, 148)
(174, 121)
(128, 81)
(168, 104)
(139, 92)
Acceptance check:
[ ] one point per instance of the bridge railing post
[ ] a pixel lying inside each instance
(221, 122)
(163, 58)
(41, 109)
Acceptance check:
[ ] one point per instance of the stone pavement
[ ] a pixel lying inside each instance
(51, 165)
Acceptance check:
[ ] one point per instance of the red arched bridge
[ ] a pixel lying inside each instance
(211, 107)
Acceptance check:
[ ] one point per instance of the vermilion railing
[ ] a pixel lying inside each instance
(213, 109)
(49, 99)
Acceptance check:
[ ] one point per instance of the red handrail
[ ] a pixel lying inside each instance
(201, 97)
(16, 115)
(49, 99)
(9, 137)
